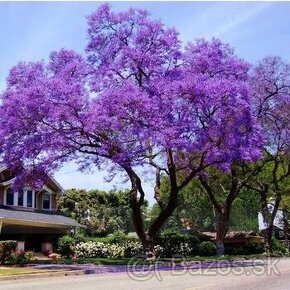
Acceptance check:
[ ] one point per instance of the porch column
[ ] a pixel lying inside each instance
(1, 224)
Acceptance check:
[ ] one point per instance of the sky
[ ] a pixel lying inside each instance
(31, 30)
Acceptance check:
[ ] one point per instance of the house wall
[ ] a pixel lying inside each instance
(39, 200)
(51, 185)
(53, 202)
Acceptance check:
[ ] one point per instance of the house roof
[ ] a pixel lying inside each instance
(37, 216)
(50, 179)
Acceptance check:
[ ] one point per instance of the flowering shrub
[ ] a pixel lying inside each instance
(91, 250)
(102, 250)
(182, 248)
(115, 251)
(158, 250)
(20, 257)
(132, 249)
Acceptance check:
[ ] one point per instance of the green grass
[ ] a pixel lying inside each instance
(126, 261)
(12, 271)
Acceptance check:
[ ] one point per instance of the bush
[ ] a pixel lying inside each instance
(207, 248)
(278, 247)
(91, 250)
(66, 246)
(105, 240)
(101, 250)
(6, 250)
(21, 257)
(175, 243)
(132, 249)
(80, 238)
(250, 249)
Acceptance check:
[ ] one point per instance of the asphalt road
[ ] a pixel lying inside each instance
(276, 275)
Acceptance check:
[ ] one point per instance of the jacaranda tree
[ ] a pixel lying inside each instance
(137, 101)
(270, 90)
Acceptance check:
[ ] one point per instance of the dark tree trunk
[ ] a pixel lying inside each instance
(285, 228)
(268, 238)
(148, 238)
(222, 224)
(137, 197)
(222, 211)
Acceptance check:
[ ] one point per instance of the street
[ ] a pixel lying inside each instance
(257, 277)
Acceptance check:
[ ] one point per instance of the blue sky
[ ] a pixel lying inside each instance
(31, 30)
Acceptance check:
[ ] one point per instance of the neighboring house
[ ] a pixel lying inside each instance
(278, 223)
(30, 216)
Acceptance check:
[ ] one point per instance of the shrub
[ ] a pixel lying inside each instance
(101, 250)
(92, 250)
(80, 238)
(278, 247)
(119, 238)
(207, 248)
(66, 246)
(132, 249)
(20, 257)
(105, 240)
(6, 250)
(115, 251)
(159, 251)
(250, 249)
(175, 243)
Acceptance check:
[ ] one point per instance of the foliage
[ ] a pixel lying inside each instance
(101, 212)
(136, 99)
(177, 243)
(102, 250)
(7, 248)
(244, 212)
(278, 247)
(206, 248)
(196, 211)
(66, 246)
(20, 257)
(194, 208)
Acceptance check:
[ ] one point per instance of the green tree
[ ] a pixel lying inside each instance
(101, 212)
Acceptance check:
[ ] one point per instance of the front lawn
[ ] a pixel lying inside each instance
(14, 271)
(128, 261)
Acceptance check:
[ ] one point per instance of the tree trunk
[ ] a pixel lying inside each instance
(269, 217)
(222, 224)
(147, 239)
(285, 228)
(268, 238)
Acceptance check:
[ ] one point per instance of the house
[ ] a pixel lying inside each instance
(278, 223)
(238, 239)
(31, 216)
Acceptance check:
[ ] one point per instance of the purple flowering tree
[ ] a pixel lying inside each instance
(136, 101)
(270, 88)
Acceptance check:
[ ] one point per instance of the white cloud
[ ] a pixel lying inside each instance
(240, 19)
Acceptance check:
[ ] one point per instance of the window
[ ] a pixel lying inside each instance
(46, 201)
(20, 197)
(10, 196)
(29, 198)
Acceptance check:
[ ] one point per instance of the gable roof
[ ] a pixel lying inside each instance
(51, 180)
(38, 216)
